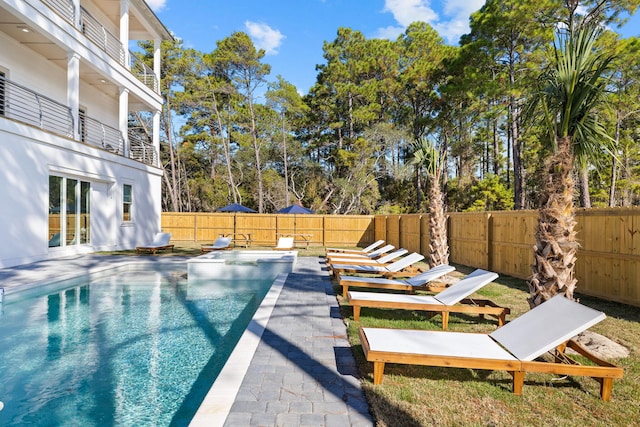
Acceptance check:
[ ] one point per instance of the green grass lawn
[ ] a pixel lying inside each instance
(425, 396)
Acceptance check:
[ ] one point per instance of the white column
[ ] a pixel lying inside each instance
(76, 13)
(156, 134)
(157, 56)
(124, 30)
(73, 91)
(123, 118)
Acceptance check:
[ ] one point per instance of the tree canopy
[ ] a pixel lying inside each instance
(232, 133)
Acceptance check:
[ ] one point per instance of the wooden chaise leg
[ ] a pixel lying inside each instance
(445, 320)
(518, 382)
(378, 372)
(606, 385)
(356, 312)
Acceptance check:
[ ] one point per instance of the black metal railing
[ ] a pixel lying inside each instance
(106, 41)
(98, 134)
(143, 72)
(97, 33)
(64, 8)
(24, 105)
(141, 150)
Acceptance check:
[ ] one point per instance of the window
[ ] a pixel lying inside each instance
(69, 211)
(127, 202)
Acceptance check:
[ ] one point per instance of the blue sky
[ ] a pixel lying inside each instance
(292, 32)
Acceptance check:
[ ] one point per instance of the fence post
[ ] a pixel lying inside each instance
(489, 240)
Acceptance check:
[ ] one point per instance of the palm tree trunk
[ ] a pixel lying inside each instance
(556, 245)
(438, 245)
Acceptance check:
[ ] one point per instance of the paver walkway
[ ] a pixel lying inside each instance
(303, 372)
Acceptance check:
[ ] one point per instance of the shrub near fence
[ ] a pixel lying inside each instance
(608, 264)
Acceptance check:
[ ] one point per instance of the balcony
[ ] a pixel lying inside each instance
(105, 41)
(23, 105)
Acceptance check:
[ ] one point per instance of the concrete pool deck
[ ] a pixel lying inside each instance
(302, 372)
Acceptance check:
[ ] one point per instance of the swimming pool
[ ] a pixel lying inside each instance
(130, 347)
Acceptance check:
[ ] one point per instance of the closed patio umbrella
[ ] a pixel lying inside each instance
(236, 207)
(295, 209)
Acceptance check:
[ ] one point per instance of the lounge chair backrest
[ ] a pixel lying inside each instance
(373, 246)
(285, 242)
(161, 239)
(380, 251)
(465, 287)
(545, 327)
(222, 242)
(431, 274)
(405, 262)
(393, 255)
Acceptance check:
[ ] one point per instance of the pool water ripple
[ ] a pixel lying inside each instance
(133, 348)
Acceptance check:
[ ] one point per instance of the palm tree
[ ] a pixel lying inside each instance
(570, 90)
(426, 155)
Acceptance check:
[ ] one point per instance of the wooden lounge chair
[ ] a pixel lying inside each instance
(221, 244)
(402, 267)
(387, 259)
(284, 244)
(452, 300)
(160, 243)
(409, 285)
(371, 255)
(513, 347)
(357, 251)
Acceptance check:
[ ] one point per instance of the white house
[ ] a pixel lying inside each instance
(79, 128)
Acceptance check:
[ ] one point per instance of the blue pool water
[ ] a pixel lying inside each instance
(129, 348)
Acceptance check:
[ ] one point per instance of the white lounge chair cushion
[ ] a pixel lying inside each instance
(285, 242)
(429, 275)
(452, 295)
(545, 327)
(383, 260)
(160, 239)
(435, 343)
(391, 268)
(371, 255)
(395, 298)
(465, 287)
(367, 249)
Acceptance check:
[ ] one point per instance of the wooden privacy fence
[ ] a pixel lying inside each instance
(608, 264)
(318, 230)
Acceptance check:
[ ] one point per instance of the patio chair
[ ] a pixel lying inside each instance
(452, 300)
(387, 259)
(370, 255)
(221, 244)
(357, 251)
(160, 243)
(410, 285)
(284, 244)
(402, 267)
(514, 347)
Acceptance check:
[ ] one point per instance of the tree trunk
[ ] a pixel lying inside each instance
(284, 155)
(556, 246)
(614, 165)
(438, 244)
(585, 198)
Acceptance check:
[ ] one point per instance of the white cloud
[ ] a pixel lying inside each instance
(156, 5)
(389, 33)
(264, 37)
(451, 22)
(407, 11)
